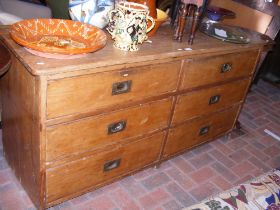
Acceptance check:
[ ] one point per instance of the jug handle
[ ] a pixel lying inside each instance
(149, 18)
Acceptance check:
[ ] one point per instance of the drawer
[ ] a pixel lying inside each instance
(200, 130)
(89, 133)
(209, 100)
(87, 173)
(96, 91)
(207, 70)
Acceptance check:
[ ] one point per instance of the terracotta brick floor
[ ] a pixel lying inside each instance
(185, 179)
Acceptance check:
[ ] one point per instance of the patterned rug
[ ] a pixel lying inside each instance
(260, 193)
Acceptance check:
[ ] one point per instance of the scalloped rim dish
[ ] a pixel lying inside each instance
(58, 36)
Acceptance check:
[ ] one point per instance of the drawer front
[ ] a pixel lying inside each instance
(85, 93)
(89, 133)
(195, 132)
(209, 100)
(204, 71)
(99, 168)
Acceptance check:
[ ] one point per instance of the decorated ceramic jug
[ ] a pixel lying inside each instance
(128, 25)
(93, 12)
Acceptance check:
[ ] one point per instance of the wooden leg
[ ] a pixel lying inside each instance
(179, 31)
(194, 25)
(157, 166)
(238, 125)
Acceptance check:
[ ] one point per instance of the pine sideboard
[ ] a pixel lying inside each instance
(73, 125)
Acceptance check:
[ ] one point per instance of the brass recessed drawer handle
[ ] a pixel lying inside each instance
(214, 99)
(204, 130)
(226, 67)
(111, 165)
(121, 87)
(116, 127)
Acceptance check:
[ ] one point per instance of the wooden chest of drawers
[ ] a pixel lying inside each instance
(111, 113)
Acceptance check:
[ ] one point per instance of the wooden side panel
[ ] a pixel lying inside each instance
(85, 93)
(198, 131)
(90, 133)
(207, 70)
(88, 172)
(209, 100)
(21, 149)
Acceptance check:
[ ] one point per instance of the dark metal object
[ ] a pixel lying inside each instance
(204, 130)
(214, 99)
(111, 165)
(116, 127)
(121, 87)
(226, 67)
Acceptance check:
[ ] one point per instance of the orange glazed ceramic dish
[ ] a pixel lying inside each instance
(58, 36)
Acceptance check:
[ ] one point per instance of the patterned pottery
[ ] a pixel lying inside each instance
(93, 12)
(58, 36)
(128, 25)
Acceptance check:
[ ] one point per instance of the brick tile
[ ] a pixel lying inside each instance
(258, 145)
(3, 164)
(203, 191)
(165, 165)
(134, 188)
(102, 202)
(26, 200)
(147, 202)
(224, 172)
(236, 144)
(111, 187)
(243, 179)
(243, 168)
(154, 199)
(259, 164)
(79, 200)
(5, 177)
(159, 208)
(222, 158)
(187, 155)
(201, 160)
(202, 148)
(172, 205)
(260, 121)
(220, 182)
(10, 198)
(222, 148)
(266, 140)
(256, 152)
(184, 181)
(140, 175)
(275, 162)
(159, 195)
(155, 181)
(123, 199)
(182, 164)
(202, 174)
(182, 197)
(239, 155)
(95, 193)
(272, 151)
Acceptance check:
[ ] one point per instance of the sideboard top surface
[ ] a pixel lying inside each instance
(161, 47)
